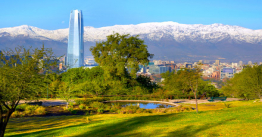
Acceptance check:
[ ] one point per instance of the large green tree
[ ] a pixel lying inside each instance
(246, 84)
(119, 53)
(120, 57)
(21, 78)
(187, 81)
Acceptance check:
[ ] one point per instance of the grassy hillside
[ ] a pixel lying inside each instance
(242, 119)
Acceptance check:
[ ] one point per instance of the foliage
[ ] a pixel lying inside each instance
(179, 84)
(227, 105)
(22, 77)
(132, 110)
(97, 105)
(246, 84)
(28, 110)
(82, 106)
(120, 52)
(120, 57)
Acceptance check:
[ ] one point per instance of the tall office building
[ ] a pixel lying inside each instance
(217, 62)
(75, 49)
(250, 63)
(240, 63)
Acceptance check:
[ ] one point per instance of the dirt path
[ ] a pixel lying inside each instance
(192, 101)
(51, 102)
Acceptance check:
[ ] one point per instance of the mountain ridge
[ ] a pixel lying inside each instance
(185, 41)
(155, 29)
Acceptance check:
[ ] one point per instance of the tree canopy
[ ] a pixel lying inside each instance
(246, 84)
(121, 52)
(21, 77)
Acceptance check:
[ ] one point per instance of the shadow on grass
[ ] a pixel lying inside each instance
(47, 133)
(137, 126)
(191, 130)
(131, 127)
(126, 128)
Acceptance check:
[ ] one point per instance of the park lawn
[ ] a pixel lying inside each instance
(244, 118)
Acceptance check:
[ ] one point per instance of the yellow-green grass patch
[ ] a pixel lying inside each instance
(242, 119)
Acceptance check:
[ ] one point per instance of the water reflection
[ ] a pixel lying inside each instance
(141, 105)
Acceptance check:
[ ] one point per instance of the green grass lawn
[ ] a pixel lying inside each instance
(244, 118)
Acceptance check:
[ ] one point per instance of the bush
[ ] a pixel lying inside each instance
(97, 105)
(100, 111)
(227, 105)
(182, 109)
(159, 111)
(21, 107)
(40, 111)
(73, 111)
(81, 106)
(30, 109)
(15, 114)
(129, 110)
(71, 104)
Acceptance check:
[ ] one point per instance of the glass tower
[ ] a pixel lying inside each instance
(75, 49)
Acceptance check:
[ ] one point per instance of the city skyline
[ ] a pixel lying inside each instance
(52, 15)
(75, 49)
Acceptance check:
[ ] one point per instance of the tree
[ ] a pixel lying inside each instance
(120, 57)
(66, 91)
(246, 84)
(21, 77)
(186, 80)
(120, 52)
(192, 78)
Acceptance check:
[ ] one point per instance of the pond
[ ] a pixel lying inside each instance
(141, 105)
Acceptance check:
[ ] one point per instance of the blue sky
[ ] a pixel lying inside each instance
(54, 14)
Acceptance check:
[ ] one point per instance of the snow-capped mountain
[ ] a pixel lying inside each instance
(184, 39)
(152, 31)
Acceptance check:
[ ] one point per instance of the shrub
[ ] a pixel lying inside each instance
(73, 111)
(140, 110)
(21, 107)
(97, 105)
(100, 111)
(71, 104)
(129, 109)
(182, 109)
(30, 109)
(227, 105)
(159, 111)
(15, 114)
(81, 106)
(40, 111)
(70, 109)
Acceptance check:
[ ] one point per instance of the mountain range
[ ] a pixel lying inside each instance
(166, 40)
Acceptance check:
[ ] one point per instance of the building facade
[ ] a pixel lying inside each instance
(227, 72)
(75, 49)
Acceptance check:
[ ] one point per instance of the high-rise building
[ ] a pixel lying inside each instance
(250, 63)
(217, 62)
(75, 49)
(240, 63)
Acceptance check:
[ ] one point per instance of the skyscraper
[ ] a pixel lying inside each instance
(75, 49)
(217, 62)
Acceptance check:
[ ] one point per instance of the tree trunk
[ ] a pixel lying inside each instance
(4, 122)
(196, 102)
